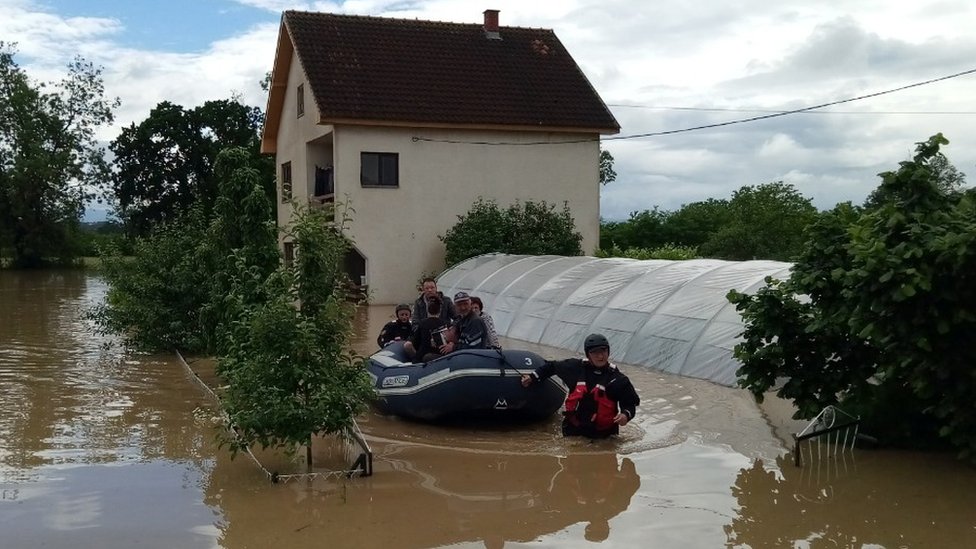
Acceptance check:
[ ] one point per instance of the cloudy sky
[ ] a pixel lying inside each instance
(658, 65)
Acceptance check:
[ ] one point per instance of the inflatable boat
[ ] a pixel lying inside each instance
(473, 383)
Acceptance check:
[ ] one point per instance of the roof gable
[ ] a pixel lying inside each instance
(372, 69)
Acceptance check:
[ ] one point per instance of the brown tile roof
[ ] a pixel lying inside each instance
(381, 69)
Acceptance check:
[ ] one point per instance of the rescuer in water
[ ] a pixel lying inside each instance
(600, 399)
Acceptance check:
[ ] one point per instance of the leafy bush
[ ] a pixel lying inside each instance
(280, 332)
(668, 251)
(530, 228)
(764, 222)
(173, 292)
(155, 296)
(889, 312)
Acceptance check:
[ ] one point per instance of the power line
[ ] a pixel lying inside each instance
(727, 109)
(794, 111)
(776, 114)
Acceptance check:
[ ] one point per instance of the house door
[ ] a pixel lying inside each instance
(355, 265)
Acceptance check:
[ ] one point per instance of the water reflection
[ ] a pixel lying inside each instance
(425, 497)
(152, 504)
(83, 398)
(859, 499)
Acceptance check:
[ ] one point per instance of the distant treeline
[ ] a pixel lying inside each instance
(766, 221)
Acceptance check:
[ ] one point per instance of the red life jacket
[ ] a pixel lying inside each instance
(591, 407)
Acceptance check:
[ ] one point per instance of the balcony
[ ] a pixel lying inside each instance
(324, 189)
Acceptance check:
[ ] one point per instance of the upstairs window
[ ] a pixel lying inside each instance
(379, 169)
(301, 100)
(286, 182)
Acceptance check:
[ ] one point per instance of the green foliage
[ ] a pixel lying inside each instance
(167, 162)
(643, 230)
(174, 291)
(101, 238)
(889, 313)
(529, 228)
(759, 222)
(949, 180)
(786, 337)
(155, 297)
(241, 233)
(694, 224)
(668, 251)
(607, 173)
(50, 162)
(764, 222)
(281, 332)
(288, 371)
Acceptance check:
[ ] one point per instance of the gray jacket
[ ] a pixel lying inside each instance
(448, 312)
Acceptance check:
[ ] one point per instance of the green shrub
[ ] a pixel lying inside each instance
(530, 228)
(667, 251)
(155, 296)
(889, 313)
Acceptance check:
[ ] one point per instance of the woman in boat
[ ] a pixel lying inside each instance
(478, 306)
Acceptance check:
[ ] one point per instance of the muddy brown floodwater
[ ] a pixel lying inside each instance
(104, 448)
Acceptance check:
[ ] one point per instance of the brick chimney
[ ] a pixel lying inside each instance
(491, 25)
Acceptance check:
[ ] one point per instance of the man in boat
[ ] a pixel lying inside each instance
(396, 330)
(469, 330)
(429, 336)
(430, 291)
(601, 398)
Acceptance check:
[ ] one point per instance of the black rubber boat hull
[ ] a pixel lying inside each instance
(482, 384)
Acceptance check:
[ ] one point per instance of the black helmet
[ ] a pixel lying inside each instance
(595, 341)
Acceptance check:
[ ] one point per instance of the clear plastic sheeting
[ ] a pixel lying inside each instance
(667, 315)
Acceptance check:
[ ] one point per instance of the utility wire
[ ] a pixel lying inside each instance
(705, 126)
(727, 109)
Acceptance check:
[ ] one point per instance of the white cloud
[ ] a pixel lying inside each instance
(276, 5)
(744, 55)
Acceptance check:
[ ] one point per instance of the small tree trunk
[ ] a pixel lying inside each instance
(308, 454)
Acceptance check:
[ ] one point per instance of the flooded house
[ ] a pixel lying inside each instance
(409, 122)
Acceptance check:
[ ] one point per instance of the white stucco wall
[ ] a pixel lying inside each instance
(294, 133)
(397, 229)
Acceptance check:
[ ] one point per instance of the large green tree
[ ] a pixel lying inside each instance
(166, 163)
(764, 222)
(695, 223)
(50, 163)
(280, 332)
(174, 292)
(948, 179)
(691, 225)
(886, 323)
